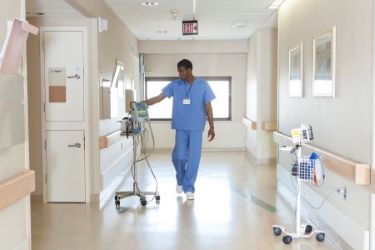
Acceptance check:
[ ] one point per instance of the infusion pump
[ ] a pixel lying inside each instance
(302, 134)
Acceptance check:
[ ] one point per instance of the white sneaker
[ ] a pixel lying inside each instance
(179, 189)
(190, 196)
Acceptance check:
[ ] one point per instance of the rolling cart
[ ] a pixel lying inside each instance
(135, 127)
(304, 169)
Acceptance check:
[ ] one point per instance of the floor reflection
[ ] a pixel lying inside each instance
(234, 208)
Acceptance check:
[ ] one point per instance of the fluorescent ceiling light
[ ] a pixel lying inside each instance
(276, 4)
(150, 4)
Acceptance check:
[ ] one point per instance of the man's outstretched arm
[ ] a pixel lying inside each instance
(155, 99)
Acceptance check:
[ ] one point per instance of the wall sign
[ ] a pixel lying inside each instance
(190, 27)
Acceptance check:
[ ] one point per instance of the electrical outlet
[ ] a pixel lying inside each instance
(343, 191)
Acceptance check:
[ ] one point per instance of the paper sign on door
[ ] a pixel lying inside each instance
(57, 84)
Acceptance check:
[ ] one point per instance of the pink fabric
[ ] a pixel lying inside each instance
(14, 44)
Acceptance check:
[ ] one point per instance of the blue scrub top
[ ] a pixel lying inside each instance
(189, 116)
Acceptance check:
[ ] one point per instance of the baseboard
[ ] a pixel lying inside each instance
(36, 197)
(213, 149)
(218, 149)
(107, 194)
(94, 198)
(348, 235)
(254, 160)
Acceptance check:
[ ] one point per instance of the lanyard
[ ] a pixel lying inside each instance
(188, 91)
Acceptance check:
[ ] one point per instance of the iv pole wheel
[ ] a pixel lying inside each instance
(320, 237)
(143, 200)
(117, 202)
(276, 231)
(308, 229)
(287, 239)
(157, 197)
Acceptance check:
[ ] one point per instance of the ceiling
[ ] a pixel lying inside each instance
(215, 18)
(50, 8)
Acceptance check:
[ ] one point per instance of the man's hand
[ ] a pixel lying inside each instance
(210, 118)
(131, 104)
(211, 134)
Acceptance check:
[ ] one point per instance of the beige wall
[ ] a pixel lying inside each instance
(9, 10)
(229, 59)
(193, 46)
(261, 92)
(343, 124)
(115, 43)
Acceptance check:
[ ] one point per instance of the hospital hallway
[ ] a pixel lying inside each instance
(234, 208)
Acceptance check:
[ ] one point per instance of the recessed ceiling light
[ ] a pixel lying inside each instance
(275, 5)
(150, 4)
(162, 31)
(239, 24)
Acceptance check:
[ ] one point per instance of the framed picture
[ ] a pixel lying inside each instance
(296, 71)
(324, 64)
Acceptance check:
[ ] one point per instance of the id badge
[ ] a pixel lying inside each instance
(186, 101)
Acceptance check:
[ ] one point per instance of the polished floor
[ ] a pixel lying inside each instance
(234, 208)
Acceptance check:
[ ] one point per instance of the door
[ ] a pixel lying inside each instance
(63, 74)
(65, 168)
(64, 120)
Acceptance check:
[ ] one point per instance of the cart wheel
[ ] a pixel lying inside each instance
(117, 203)
(308, 229)
(320, 237)
(157, 198)
(276, 231)
(143, 201)
(287, 239)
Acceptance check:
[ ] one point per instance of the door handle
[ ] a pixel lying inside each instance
(76, 145)
(76, 76)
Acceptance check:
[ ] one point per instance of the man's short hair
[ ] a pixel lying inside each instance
(185, 63)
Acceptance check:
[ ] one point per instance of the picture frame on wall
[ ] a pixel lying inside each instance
(324, 64)
(296, 71)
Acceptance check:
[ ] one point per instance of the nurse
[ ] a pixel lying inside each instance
(192, 98)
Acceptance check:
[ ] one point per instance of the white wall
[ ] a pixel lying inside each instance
(15, 230)
(261, 92)
(342, 125)
(209, 58)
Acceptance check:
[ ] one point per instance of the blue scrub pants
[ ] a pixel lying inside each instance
(186, 156)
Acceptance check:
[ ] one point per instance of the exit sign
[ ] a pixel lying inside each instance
(190, 28)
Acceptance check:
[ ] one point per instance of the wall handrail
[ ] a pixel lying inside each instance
(106, 141)
(357, 172)
(16, 187)
(269, 125)
(249, 123)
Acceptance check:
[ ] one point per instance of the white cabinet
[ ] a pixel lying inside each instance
(66, 166)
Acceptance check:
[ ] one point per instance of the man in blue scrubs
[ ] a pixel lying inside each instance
(192, 98)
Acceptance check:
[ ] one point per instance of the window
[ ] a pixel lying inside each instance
(221, 106)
